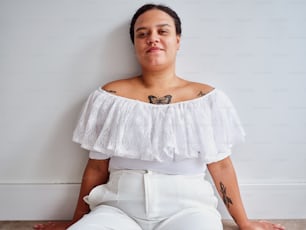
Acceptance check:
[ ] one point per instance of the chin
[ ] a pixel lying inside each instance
(154, 63)
(155, 66)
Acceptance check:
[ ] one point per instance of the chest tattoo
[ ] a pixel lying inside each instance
(201, 93)
(160, 100)
(112, 91)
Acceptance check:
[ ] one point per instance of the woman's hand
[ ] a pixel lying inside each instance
(53, 226)
(261, 225)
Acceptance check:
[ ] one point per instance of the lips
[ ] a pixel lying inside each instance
(153, 49)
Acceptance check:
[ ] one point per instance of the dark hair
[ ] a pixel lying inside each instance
(147, 7)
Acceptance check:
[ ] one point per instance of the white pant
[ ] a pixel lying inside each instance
(135, 200)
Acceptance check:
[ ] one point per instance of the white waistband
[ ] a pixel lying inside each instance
(184, 167)
(145, 171)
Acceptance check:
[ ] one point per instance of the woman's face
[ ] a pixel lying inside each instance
(156, 42)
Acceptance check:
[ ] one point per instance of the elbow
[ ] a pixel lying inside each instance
(220, 166)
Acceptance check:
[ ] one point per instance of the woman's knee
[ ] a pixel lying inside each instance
(195, 219)
(105, 217)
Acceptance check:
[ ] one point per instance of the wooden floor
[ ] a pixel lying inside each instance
(228, 225)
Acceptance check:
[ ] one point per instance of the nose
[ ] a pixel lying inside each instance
(152, 39)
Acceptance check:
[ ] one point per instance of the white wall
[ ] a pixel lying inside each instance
(53, 53)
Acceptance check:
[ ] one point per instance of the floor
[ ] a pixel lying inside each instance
(228, 225)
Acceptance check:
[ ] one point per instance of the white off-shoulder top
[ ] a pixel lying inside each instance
(181, 137)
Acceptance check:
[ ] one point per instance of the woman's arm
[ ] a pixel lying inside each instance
(95, 173)
(224, 177)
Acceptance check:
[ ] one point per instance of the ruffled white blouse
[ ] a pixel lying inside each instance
(201, 130)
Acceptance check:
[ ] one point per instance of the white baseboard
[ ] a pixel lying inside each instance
(57, 201)
(38, 201)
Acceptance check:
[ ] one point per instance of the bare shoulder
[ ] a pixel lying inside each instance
(200, 89)
(119, 86)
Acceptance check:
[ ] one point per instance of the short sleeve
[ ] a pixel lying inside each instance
(226, 127)
(84, 132)
(90, 123)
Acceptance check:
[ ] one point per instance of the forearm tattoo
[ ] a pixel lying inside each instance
(227, 200)
(160, 100)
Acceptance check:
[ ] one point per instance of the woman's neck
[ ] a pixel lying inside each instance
(159, 79)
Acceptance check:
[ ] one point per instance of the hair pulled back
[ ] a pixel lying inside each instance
(147, 7)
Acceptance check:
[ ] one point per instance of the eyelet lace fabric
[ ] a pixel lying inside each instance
(205, 128)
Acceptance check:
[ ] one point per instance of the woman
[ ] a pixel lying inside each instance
(151, 139)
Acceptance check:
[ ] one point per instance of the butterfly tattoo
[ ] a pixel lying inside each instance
(160, 100)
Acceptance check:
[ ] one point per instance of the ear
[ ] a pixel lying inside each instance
(178, 40)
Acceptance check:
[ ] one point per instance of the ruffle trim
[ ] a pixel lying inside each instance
(205, 128)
